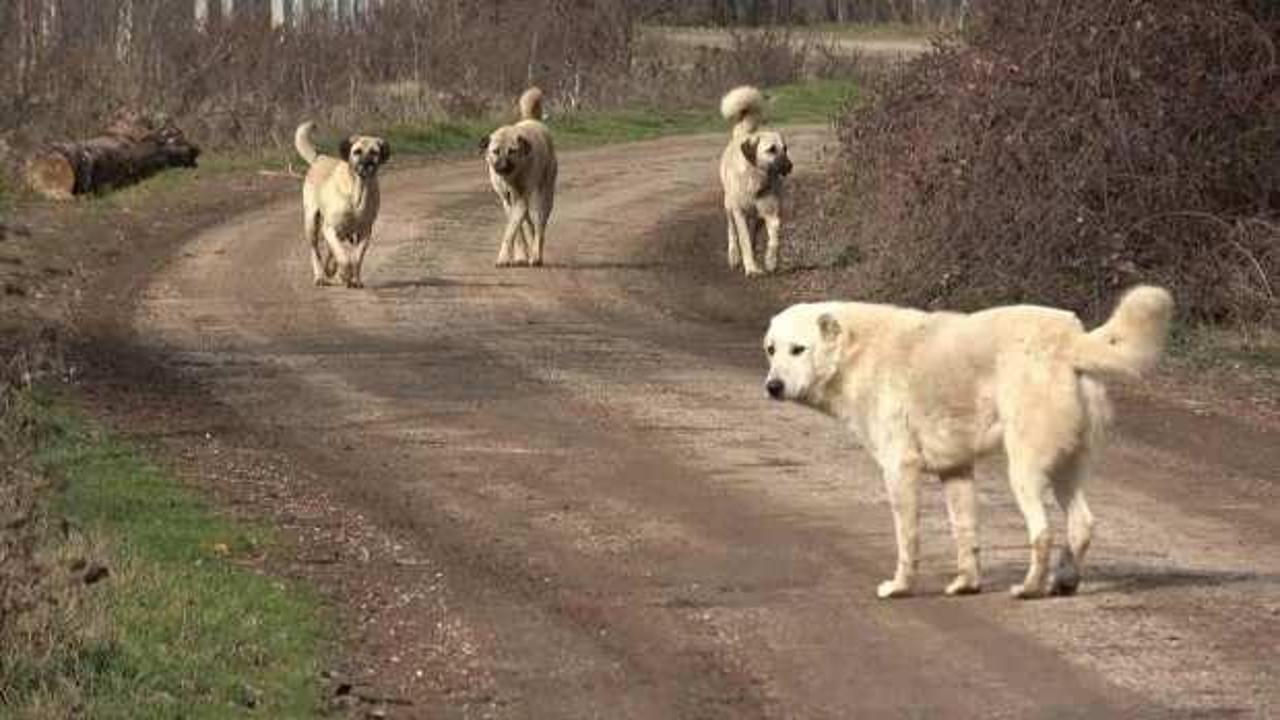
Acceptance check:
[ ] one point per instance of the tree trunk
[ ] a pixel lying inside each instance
(130, 150)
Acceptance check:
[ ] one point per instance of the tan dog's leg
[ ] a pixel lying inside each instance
(772, 225)
(541, 211)
(310, 229)
(516, 213)
(902, 481)
(338, 250)
(362, 246)
(962, 508)
(524, 247)
(735, 254)
(1068, 488)
(744, 233)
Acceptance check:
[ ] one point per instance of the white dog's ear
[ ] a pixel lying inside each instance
(483, 146)
(829, 327)
(525, 147)
(344, 148)
(384, 152)
(749, 149)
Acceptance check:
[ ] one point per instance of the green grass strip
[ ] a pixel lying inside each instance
(182, 627)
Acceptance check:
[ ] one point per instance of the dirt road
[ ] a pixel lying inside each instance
(590, 510)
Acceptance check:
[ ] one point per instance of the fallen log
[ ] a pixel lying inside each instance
(132, 148)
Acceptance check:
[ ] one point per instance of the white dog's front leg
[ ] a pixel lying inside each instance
(902, 481)
(962, 508)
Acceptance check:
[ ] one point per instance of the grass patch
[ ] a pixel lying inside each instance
(874, 31)
(180, 627)
(809, 102)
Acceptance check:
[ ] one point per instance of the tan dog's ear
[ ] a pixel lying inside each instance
(525, 147)
(344, 149)
(384, 152)
(749, 149)
(484, 144)
(829, 327)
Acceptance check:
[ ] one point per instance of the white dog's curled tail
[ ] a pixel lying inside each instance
(303, 144)
(1133, 338)
(531, 104)
(744, 107)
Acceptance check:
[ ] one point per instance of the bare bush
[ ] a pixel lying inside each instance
(240, 81)
(1070, 148)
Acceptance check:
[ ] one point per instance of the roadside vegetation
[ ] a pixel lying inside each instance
(1063, 152)
(126, 596)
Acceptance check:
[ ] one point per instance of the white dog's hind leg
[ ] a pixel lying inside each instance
(962, 508)
(1028, 482)
(903, 485)
(773, 226)
(541, 212)
(1068, 489)
(744, 243)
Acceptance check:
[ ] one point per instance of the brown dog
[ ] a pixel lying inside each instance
(522, 168)
(340, 203)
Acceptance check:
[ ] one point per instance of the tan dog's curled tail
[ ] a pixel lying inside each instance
(744, 107)
(303, 144)
(1133, 338)
(531, 104)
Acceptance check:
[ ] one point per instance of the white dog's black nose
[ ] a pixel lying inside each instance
(774, 387)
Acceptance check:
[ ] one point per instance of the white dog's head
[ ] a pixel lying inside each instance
(767, 151)
(806, 346)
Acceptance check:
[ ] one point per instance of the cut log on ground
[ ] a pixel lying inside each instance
(132, 148)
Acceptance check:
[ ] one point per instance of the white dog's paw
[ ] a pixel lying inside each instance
(754, 272)
(320, 281)
(964, 585)
(893, 589)
(1023, 591)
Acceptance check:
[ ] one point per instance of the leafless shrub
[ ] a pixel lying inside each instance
(1070, 148)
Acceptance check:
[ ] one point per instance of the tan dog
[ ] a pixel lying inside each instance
(522, 168)
(340, 203)
(751, 170)
(932, 392)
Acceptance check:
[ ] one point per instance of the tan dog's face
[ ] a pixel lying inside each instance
(768, 152)
(365, 154)
(805, 345)
(505, 150)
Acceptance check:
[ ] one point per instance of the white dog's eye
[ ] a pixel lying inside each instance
(769, 351)
(797, 349)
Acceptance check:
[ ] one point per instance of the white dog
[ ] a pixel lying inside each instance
(522, 169)
(751, 170)
(931, 392)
